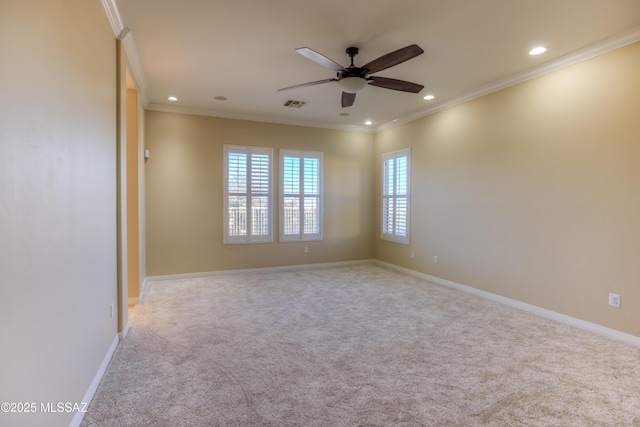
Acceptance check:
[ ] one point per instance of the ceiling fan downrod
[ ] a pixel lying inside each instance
(352, 52)
(353, 78)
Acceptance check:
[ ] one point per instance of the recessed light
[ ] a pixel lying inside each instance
(537, 50)
(172, 98)
(429, 97)
(220, 98)
(368, 123)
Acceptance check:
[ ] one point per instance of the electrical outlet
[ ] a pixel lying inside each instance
(306, 249)
(435, 259)
(413, 254)
(614, 300)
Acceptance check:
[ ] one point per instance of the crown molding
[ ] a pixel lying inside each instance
(129, 45)
(596, 49)
(113, 15)
(123, 34)
(254, 118)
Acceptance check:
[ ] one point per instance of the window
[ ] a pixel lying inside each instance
(395, 195)
(300, 195)
(247, 194)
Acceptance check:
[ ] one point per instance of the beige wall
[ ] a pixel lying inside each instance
(530, 193)
(57, 202)
(184, 194)
(533, 192)
(132, 184)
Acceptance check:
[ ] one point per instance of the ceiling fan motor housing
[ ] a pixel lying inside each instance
(352, 78)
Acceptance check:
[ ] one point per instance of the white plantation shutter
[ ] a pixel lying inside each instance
(247, 194)
(395, 196)
(300, 195)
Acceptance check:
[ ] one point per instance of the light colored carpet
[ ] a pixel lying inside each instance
(356, 346)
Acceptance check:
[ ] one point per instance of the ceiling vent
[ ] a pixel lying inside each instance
(294, 104)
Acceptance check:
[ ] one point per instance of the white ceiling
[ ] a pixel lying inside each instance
(244, 50)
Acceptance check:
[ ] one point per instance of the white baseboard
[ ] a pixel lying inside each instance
(123, 334)
(142, 286)
(136, 300)
(592, 327)
(91, 391)
(258, 270)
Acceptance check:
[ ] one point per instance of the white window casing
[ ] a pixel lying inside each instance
(396, 191)
(248, 194)
(300, 195)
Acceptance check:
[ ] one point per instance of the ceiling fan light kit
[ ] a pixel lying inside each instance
(351, 79)
(352, 84)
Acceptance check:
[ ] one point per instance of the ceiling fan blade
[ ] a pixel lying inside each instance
(348, 99)
(319, 58)
(317, 82)
(393, 58)
(395, 84)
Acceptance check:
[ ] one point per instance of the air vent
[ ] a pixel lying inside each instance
(294, 104)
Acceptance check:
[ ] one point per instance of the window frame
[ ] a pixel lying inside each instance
(249, 237)
(301, 236)
(395, 236)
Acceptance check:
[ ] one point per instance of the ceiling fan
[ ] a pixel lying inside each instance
(351, 79)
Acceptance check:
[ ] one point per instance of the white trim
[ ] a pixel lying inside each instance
(394, 156)
(123, 34)
(563, 318)
(260, 270)
(582, 324)
(91, 391)
(129, 45)
(255, 118)
(125, 331)
(596, 49)
(249, 151)
(113, 15)
(143, 285)
(301, 155)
